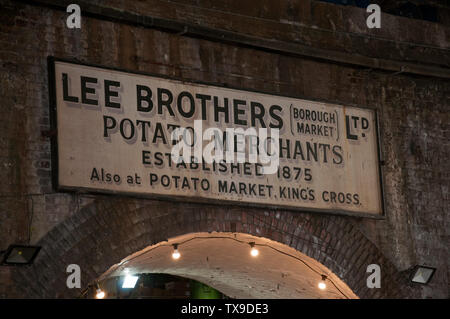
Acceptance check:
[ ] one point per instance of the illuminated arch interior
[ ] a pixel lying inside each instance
(223, 261)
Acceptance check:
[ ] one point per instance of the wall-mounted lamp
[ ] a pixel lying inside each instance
(20, 255)
(422, 274)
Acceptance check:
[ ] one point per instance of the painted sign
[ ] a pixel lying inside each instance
(121, 132)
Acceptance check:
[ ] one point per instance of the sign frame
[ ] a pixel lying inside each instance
(53, 133)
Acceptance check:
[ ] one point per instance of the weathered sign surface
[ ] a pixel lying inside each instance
(114, 134)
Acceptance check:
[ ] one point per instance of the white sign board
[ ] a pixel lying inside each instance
(115, 129)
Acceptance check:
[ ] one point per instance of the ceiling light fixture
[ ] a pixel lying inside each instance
(129, 282)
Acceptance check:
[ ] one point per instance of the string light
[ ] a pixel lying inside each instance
(176, 254)
(322, 285)
(100, 294)
(253, 251)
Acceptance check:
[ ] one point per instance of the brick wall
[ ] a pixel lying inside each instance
(413, 108)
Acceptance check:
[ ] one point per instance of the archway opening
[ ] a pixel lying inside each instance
(225, 262)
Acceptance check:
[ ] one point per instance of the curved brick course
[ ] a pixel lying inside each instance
(103, 233)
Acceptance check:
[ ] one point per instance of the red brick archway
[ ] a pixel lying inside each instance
(109, 229)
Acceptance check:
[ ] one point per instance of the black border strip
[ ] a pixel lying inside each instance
(55, 158)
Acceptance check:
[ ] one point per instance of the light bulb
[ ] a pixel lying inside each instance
(176, 254)
(322, 284)
(254, 251)
(100, 294)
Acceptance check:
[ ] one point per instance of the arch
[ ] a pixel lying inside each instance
(222, 260)
(109, 229)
